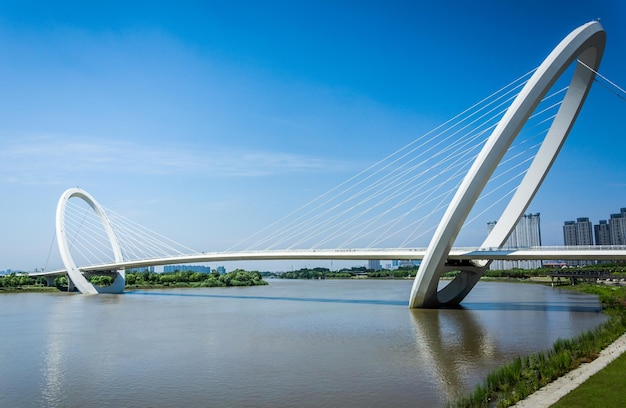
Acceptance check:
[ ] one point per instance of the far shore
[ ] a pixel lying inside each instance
(542, 280)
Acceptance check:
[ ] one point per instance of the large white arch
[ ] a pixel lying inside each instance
(75, 275)
(586, 43)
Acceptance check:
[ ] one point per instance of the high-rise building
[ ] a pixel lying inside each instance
(578, 233)
(584, 231)
(569, 233)
(602, 233)
(611, 232)
(527, 233)
(373, 265)
(617, 227)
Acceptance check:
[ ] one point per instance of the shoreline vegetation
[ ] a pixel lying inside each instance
(19, 282)
(22, 282)
(515, 381)
(188, 279)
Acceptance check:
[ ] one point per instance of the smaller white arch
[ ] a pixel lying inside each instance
(73, 271)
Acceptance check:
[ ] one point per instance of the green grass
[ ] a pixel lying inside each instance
(28, 288)
(604, 389)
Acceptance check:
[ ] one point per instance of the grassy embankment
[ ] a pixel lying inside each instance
(28, 288)
(513, 382)
(603, 389)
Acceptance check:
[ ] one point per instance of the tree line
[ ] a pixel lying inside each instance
(144, 279)
(410, 271)
(238, 277)
(325, 273)
(17, 280)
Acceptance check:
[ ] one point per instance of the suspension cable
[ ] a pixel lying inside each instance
(622, 96)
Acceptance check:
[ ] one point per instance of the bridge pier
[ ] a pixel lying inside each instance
(50, 280)
(428, 295)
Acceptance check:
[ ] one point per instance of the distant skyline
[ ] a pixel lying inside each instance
(207, 121)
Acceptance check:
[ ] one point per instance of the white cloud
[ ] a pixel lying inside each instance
(53, 159)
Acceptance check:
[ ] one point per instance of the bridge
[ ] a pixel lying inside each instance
(588, 276)
(456, 257)
(445, 176)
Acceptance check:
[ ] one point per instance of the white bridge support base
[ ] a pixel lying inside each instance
(586, 43)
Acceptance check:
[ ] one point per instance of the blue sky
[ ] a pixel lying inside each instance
(207, 121)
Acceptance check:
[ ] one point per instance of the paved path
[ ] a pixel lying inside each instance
(557, 389)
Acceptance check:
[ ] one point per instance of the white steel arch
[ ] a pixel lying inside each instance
(75, 274)
(586, 43)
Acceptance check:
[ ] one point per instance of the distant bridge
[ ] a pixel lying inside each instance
(588, 276)
(582, 48)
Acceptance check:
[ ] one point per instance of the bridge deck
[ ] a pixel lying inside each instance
(612, 253)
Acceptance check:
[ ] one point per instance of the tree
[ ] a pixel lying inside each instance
(61, 282)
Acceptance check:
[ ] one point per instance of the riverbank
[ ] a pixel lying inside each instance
(29, 289)
(512, 383)
(553, 392)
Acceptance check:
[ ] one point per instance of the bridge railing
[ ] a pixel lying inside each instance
(552, 248)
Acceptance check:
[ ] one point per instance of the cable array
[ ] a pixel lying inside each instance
(398, 201)
(90, 244)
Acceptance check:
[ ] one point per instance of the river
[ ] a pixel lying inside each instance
(325, 343)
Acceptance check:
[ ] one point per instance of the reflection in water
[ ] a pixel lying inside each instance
(287, 298)
(586, 307)
(66, 321)
(451, 342)
(456, 344)
(55, 352)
